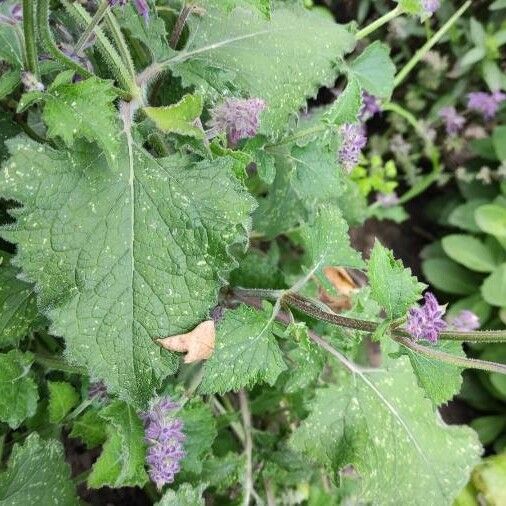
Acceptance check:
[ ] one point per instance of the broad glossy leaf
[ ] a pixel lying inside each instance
(494, 287)
(18, 391)
(381, 424)
(450, 277)
(284, 60)
(463, 215)
(246, 352)
(469, 252)
(37, 474)
(126, 255)
(392, 286)
(491, 218)
(121, 463)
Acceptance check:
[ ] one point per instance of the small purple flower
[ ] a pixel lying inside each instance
(165, 437)
(486, 104)
(16, 15)
(453, 121)
(430, 6)
(465, 321)
(142, 6)
(353, 140)
(98, 391)
(238, 118)
(387, 199)
(370, 106)
(426, 322)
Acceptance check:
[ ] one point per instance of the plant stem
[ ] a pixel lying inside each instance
(236, 427)
(379, 22)
(464, 363)
(29, 36)
(248, 446)
(58, 364)
(95, 20)
(401, 75)
(179, 26)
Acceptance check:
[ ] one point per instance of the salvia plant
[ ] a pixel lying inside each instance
(179, 296)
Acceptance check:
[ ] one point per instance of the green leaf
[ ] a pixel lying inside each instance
(463, 215)
(448, 276)
(18, 392)
(121, 463)
(374, 70)
(246, 352)
(440, 381)
(18, 308)
(185, 495)
(491, 218)
(469, 252)
(83, 109)
(133, 254)
(327, 242)
(499, 139)
(392, 286)
(346, 108)
(411, 6)
(489, 480)
(494, 287)
(382, 426)
(284, 60)
(90, 428)
(200, 431)
(11, 49)
(9, 81)
(178, 118)
(37, 475)
(264, 6)
(488, 427)
(223, 472)
(62, 398)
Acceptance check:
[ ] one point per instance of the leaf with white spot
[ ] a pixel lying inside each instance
(246, 352)
(126, 255)
(37, 475)
(381, 424)
(283, 61)
(185, 495)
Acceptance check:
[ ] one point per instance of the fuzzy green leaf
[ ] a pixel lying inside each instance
(374, 70)
(347, 105)
(121, 463)
(382, 426)
(440, 381)
(90, 428)
(327, 242)
(264, 6)
(392, 286)
(178, 118)
(133, 253)
(246, 352)
(284, 60)
(62, 398)
(185, 495)
(37, 475)
(18, 391)
(18, 308)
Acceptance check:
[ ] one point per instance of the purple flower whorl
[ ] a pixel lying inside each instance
(465, 321)
(431, 6)
(453, 121)
(370, 106)
(353, 139)
(426, 321)
(142, 6)
(486, 104)
(164, 435)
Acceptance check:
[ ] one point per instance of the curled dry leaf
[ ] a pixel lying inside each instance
(198, 343)
(342, 281)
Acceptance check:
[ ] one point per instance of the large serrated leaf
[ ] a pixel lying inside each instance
(125, 255)
(284, 60)
(382, 426)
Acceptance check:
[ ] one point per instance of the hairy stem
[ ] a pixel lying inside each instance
(29, 36)
(379, 22)
(57, 364)
(248, 446)
(180, 24)
(402, 74)
(90, 28)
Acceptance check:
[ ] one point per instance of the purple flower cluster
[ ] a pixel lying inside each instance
(486, 104)
(238, 118)
(430, 6)
(454, 122)
(426, 322)
(16, 15)
(141, 6)
(97, 391)
(164, 435)
(387, 199)
(465, 321)
(353, 140)
(370, 106)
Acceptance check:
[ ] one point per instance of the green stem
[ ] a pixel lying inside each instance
(464, 363)
(401, 75)
(379, 22)
(119, 40)
(179, 26)
(95, 20)
(248, 446)
(58, 364)
(30, 40)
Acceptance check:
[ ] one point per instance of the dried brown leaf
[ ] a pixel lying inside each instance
(198, 344)
(342, 281)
